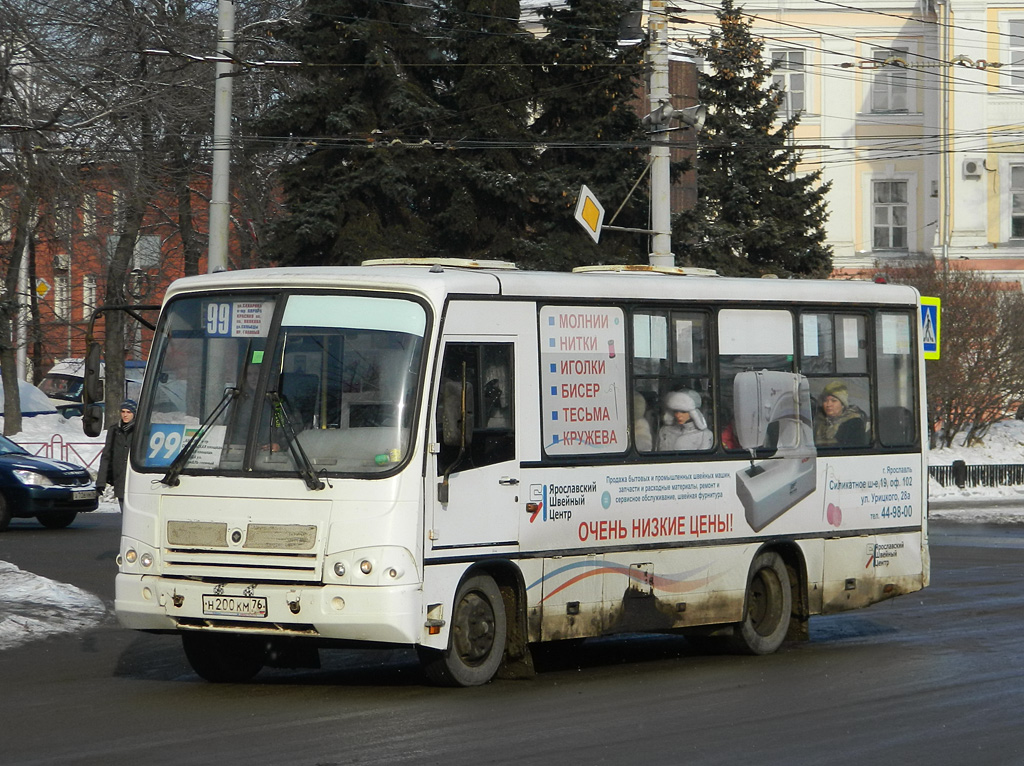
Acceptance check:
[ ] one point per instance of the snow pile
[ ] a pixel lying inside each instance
(41, 428)
(34, 607)
(1004, 443)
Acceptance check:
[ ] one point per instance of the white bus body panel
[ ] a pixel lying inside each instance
(621, 546)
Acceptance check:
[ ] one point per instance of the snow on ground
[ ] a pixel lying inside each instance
(33, 607)
(1004, 443)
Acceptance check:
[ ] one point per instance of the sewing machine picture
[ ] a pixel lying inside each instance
(772, 420)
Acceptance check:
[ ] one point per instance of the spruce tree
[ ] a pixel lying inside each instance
(476, 199)
(754, 214)
(445, 128)
(353, 131)
(586, 118)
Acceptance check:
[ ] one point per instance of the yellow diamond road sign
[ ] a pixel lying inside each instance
(590, 213)
(42, 287)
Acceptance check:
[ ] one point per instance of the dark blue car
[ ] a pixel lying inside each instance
(50, 490)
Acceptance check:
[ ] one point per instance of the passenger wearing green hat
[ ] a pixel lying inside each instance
(837, 422)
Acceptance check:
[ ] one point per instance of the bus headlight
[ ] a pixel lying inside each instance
(136, 558)
(370, 566)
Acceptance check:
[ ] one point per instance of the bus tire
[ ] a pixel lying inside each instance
(476, 640)
(223, 658)
(767, 607)
(58, 520)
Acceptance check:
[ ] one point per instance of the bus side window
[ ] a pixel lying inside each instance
(299, 393)
(490, 427)
(839, 419)
(670, 371)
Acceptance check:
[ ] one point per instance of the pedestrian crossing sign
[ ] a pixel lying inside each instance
(930, 324)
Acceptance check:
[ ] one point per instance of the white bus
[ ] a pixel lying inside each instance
(468, 458)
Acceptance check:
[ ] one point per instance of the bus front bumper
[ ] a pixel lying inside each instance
(387, 614)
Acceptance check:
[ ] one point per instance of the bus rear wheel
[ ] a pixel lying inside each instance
(476, 640)
(224, 658)
(769, 602)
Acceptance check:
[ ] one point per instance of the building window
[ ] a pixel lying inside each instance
(61, 296)
(1017, 201)
(63, 216)
(890, 213)
(118, 209)
(1014, 68)
(889, 91)
(89, 214)
(788, 76)
(147, 252)
(88, 296)
(6, 228)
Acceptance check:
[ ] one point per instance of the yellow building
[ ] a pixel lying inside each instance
(914, 112)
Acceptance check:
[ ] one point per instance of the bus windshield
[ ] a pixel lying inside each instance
(271, 384)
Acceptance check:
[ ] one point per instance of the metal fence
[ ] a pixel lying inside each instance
(82, 453)
(959, 474)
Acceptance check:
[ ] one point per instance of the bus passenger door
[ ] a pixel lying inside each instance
(476, 484)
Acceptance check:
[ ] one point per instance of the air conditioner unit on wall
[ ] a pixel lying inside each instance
(972, 168)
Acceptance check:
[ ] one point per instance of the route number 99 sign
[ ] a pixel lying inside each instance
(164, 444)
(166, 440)
(237, 319)
(218, 320)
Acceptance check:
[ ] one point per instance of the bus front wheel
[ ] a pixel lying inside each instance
(769, 602)
(476, 640)
(222, 657)
(56, 520)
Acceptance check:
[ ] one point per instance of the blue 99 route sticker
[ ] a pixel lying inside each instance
(163, 444)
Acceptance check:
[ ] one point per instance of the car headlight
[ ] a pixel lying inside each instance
(33, 479)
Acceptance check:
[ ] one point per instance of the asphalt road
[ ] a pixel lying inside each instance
(932, 678)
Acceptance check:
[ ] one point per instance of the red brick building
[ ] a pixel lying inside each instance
(70, 249)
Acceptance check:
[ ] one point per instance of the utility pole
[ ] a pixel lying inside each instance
(220, 193)
(660, 109)
(945, 225)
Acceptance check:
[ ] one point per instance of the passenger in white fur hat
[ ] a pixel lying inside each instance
(684, 425)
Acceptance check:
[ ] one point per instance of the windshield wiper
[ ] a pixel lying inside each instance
(178, 464)
(298, 454)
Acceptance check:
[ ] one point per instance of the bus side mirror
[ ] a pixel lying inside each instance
(92, 419)
(93, 388)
